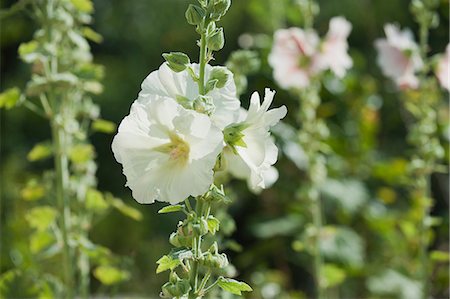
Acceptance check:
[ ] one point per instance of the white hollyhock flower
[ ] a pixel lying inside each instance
(181, 86)
(168, 152)
(398, 56)
(253, 151)
(442, 69)
(334, 49)
(293, 57)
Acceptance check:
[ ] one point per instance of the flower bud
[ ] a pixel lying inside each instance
(219, 8)
(204, 104)
(201, 227)
(217, 40)
(221, 74)
(177, 61)
(195, 14)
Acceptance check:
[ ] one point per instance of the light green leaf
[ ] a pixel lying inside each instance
(40, 240)
(103, 126)
(440, 256)
(171, 209)
(167, 262)
(40, 151)
(213, 224)
(81, 153)
(27, 51)
(333, 275)
(42, 217)
(83, 5)
(92, 35)
(124, 209)
(109, 275)
(95, 201)
(32, 191)
(233, 286)
(9, 98)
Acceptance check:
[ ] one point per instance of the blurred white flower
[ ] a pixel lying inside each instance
(442, 69)
(252, 151)
(334, 49)
(181, 87)
(293, 57)
(398, 56)
(168, 152)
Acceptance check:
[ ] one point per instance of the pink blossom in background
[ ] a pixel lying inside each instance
(442, 69)
(294, 57)
(334, 49)
(398, 56)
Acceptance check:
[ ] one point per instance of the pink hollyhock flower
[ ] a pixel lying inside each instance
(334, 50)
(442, 69)
(398, 56)
(293, 57)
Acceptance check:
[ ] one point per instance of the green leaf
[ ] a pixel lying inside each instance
(40, 240)
(177, 61)
(32, 191)
(103, 126)
(167, 262)
(124, 209)
(95, 201)
(83, 5)
(40, 151)
(213, 224)
(233, 286)
(440, 256)
(92, 35)
(81, 153)
(109, 275)
(9, 98)
(333, 275)
(171, 209)
(42, 217)
(27, 51)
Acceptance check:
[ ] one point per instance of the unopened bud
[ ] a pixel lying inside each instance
(217, 40)
(195, 14)
(204, 104)
(221, 74)
(177, 61)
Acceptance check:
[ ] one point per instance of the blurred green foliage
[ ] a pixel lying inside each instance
(370, 236)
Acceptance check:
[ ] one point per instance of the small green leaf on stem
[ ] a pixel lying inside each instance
(40, 151)
(103, 126)
(167, 263)
(109, 275)
(171, 209)
(9, 98)
(234, 286)
(213, 224)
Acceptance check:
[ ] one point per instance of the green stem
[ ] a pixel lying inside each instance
(62, 179)
(318, 261)
(196, 247)
(202, 60)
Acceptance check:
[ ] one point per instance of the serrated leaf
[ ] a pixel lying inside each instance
(213, 224)
(171, 209)
(95, 201)
(81, 153)
(167, 263)
(9, 98)
(40, 151)
(41, 218)
(234, 286)
(83, 5)
(124, 209)
(103, 126)
(109, 275)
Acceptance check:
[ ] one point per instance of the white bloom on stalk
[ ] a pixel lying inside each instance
(398, 56)
(294, 57)
(168, 152)
(334, 49)
(442, 69)
(252, 151)
(165, 82)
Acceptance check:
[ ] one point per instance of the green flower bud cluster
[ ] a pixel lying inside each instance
(176, 287)
(425, 12)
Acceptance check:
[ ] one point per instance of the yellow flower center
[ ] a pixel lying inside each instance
(177, 149)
